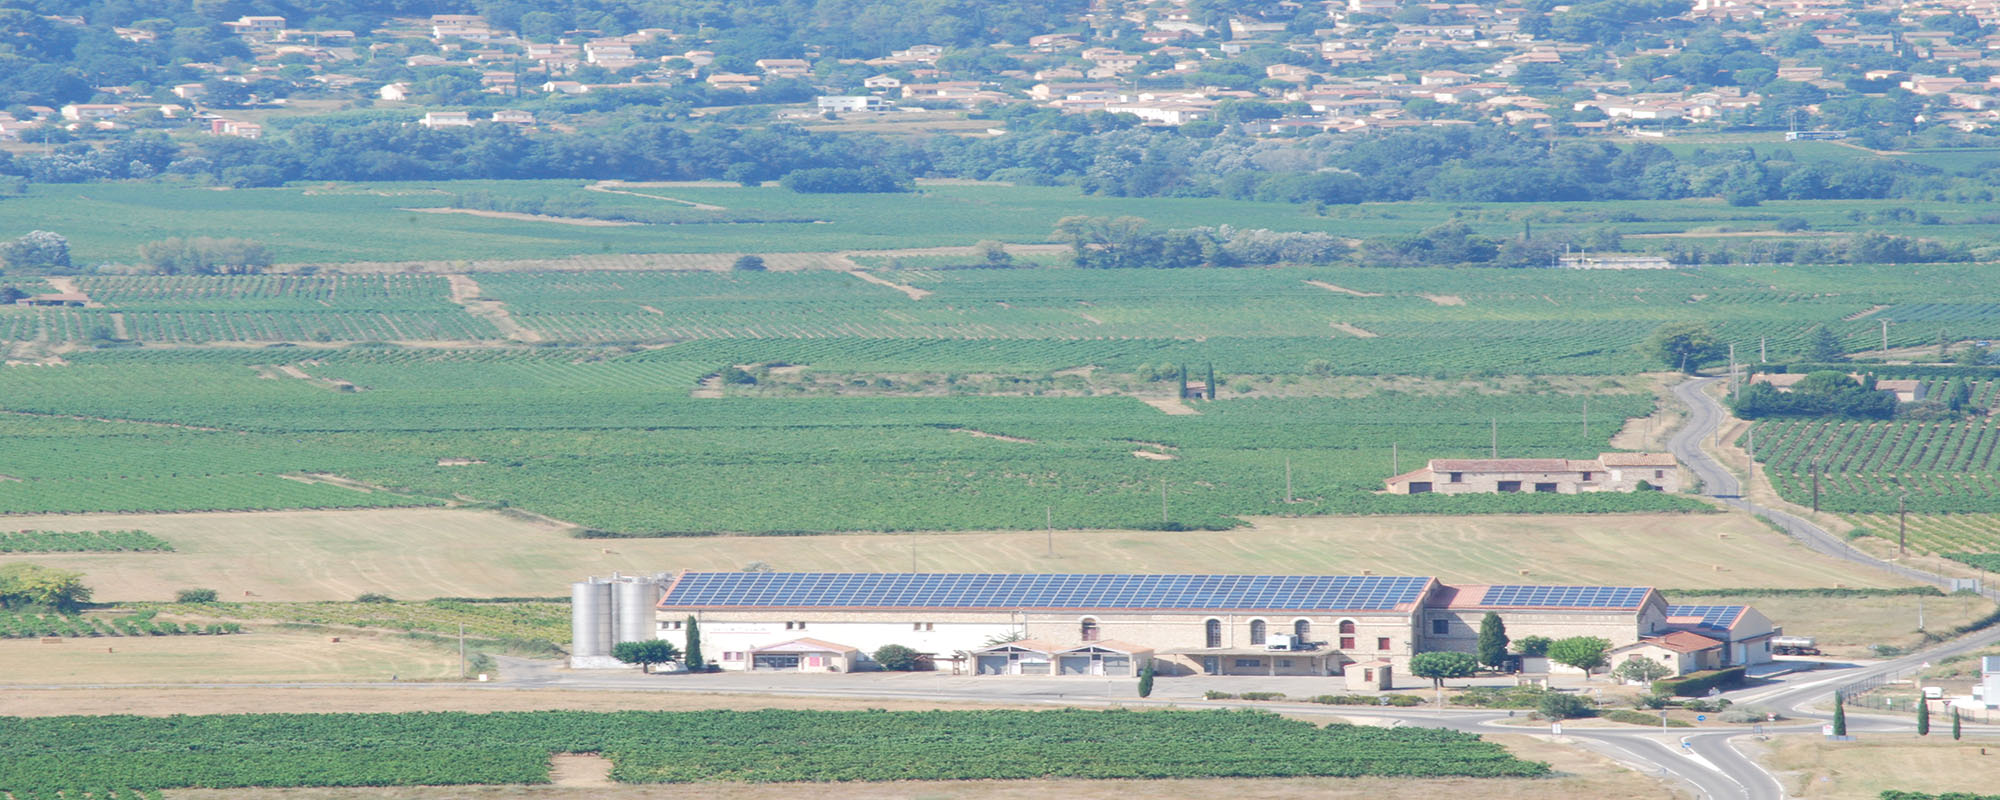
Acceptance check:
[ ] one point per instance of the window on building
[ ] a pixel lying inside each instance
(1212, 635)
(1257, 631)
(1088, 630)
(1303, 630)
(1457, 477)
(1249, 662)
(1284, 663)
(1659, 473)
(1347, 643)
(923, 626)
(1382, 643)
(1545, 487)
(795, 626)
(1347, 626)
(1509, 486)
(1586, 477)
(1440, 627)
(731, 655)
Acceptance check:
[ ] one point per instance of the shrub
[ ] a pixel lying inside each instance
(195, 596)
(1262, 695)
(1697, 684)
(1745, 714)
(1215, 695)
(897, 658)
(1555, 705)
(1639, 718)
(1534, 645)
(374, 597)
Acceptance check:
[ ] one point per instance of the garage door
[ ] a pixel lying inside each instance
(1076, 665)
(992, 665)
(1117, 665)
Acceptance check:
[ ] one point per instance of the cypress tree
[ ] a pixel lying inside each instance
(1211, 380)
(1839, 715)
(1955, 732)
(1492, 640)
(694, 661)
(1183, 371)
(1146, 682)
(1923, 716)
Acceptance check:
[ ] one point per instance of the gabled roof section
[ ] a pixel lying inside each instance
(960, 590)
(1720, 618)
(1521, 596)
(1682, 642)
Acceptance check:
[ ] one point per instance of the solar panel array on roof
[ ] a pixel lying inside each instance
(1711, 616)
(1565, 596)
(973, 590)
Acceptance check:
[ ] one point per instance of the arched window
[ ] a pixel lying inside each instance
(1347, 626)
(1302, 629)
(1213, 634)
(1088, 630)
(1256, 631)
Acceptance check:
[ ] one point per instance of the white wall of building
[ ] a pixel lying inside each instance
(940, 638)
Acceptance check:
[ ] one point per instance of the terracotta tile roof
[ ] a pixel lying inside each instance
(1638, 460)
(1500, 465)
(1683, 642)
(809, 643)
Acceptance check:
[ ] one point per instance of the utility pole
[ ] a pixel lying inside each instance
(1763, 349)
(1163, 500)
(1902, 528)
(1815, 474)
(1885, 337)
(1735, 390)
(1920, 614)
(461, 650)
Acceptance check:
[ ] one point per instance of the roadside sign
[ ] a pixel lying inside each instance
(1556, 728)
(1701, 717)
(1826, 730)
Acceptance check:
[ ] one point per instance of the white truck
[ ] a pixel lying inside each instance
(1794, 646)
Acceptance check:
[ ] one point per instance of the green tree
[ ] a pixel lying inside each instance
(1492, 640)
(38, 250)
(1438, 666)
(646, 653)
(897, 658)
(1146, 686)
(33, 585)
(1823, 347)
(695, 663)
(1582, 652)
(993, 253)
(1923, 716)
(195, 596)
(748, 263)
(1956, 732)
(1839, 714)
(1640, 669)
(1559, 706)
(1685, 346)
(1534, 645)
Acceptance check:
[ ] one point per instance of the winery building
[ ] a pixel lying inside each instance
(1112, 624)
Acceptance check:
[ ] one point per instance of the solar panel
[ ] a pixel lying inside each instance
(1565, 596)
(1711, 616)
(1092, 591)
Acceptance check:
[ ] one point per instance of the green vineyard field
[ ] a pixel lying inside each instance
(450, 748)
(82, 542)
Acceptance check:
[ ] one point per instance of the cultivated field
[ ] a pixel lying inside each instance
(268, 655)
(414, 554)
(1863, 770)
(1846, 627)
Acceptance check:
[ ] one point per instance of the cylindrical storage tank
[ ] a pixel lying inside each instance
(590, 618)
(633, 609)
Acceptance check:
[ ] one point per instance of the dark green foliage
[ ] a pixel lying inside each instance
(748, 263)
(195, 596)
(449, 748)
(1839, 714)
(1492, 640)
(1685, 346)
(897, 658)
(1957, 730)
(843, 180)
(1630, 717)
(1582, 652)
(645, 653)
(695, 663)
(1437, 666)
(1923, 716)
(1146, 680)
(1697, 684)
(1534, 645)
(1822, 394)
(1823, 346)
(1560, 706)
(25, 585)
(374, 597)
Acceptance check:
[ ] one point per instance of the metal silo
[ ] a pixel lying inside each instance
(590, 618)
(632, 609)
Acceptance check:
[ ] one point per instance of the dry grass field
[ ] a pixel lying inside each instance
(263, 656)
(423, 553)
(1579, 774)
(1821, 770)
(1845, 627)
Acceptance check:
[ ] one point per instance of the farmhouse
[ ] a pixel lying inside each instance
(1609, 472)
(1112, 624)
(1906, 391)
